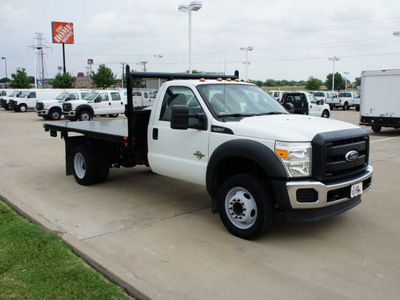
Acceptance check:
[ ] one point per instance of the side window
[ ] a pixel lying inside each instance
(179, 96)
(103, 96)
(146, 95)
(115, 96)
(73, 96)
(32, 95)
(83, 94)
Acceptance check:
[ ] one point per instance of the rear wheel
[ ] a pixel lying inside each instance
(376, 128)
(345, 106)
(113, 115)
(84, 165)
(246, 206)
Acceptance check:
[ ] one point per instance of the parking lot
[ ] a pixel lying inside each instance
(157, 237)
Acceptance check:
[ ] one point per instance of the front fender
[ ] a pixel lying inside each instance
(250, 150)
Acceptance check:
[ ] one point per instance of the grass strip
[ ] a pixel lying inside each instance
(37, 264)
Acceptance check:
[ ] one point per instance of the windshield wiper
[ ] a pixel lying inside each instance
(271, 113)
(237, 115)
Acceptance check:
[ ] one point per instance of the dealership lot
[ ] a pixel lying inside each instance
(158, 238)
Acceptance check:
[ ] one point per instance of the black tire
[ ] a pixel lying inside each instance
(55, 114)
(22, 108)
(357, 107)
(246, 206)
(85, 115)
(325, 114)
(376, 128)
(84, 165)
(345, 106)
(113, 115)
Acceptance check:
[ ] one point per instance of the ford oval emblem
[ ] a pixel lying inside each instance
(352, 156)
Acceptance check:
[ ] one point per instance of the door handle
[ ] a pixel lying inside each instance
(155, 133)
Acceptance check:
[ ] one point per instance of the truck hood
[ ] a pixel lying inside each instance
(285, 127)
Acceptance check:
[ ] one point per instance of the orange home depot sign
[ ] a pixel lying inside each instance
(63, 32)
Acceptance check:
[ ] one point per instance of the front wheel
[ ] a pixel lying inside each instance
(246, 206)
(113, 115)
(55, 114)
(325, 114)
(85, 116)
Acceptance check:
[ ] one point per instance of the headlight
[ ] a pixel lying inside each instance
(296, 157)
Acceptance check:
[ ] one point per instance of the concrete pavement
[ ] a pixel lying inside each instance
(157, 237)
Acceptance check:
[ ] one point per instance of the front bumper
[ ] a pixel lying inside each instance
(42, 112)
(70, 113)
(310, 200)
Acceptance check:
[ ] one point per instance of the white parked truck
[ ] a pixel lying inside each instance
(380, 99)
(307, 104)
(52, 108)
(253, 157)
(96, 103)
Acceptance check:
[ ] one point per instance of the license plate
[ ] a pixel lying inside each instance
(356, 189)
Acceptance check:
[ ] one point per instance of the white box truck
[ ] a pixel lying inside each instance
(380, 99)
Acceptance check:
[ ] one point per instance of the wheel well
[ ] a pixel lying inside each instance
(236, 165)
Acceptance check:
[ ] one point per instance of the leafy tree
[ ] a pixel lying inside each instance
(65, 80)
(358, 81)
(270, 82)
(313, 84)
(339, 81)
(301, 83)
(20, 80)
(5, 80)
(104, 77)
(258, 82)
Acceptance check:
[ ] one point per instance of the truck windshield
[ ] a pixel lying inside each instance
(239, 100)
(13, 94)
(90, 96)
(62, 96)
(23, 94)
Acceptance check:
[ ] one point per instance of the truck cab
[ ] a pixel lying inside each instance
(306, 104)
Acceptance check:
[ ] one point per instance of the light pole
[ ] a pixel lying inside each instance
(5, 65)
(345, 80)
(193, 6)
(158, 67)
(247, 49)
(334, 59)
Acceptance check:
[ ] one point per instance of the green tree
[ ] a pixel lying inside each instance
(20, 80)
(63, 81)
(313, 84)
(339, 82)
(270, 82)
(358, 81)
(5, 80)
(104, 77)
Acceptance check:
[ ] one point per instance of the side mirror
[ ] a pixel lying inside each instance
(97, 100)
(180, 118)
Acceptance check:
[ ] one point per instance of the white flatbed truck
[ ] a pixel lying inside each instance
(254, 158)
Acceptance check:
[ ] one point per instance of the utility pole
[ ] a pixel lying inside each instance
(144, 69)
(39, 46)
(123, 73)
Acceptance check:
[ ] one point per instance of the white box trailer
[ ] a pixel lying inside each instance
(380, 99)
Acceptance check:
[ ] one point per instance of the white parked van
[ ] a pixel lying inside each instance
(27, 98)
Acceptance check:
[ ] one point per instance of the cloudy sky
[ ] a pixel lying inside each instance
(292, 39)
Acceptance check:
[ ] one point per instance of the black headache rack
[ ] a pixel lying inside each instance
(134, 116)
